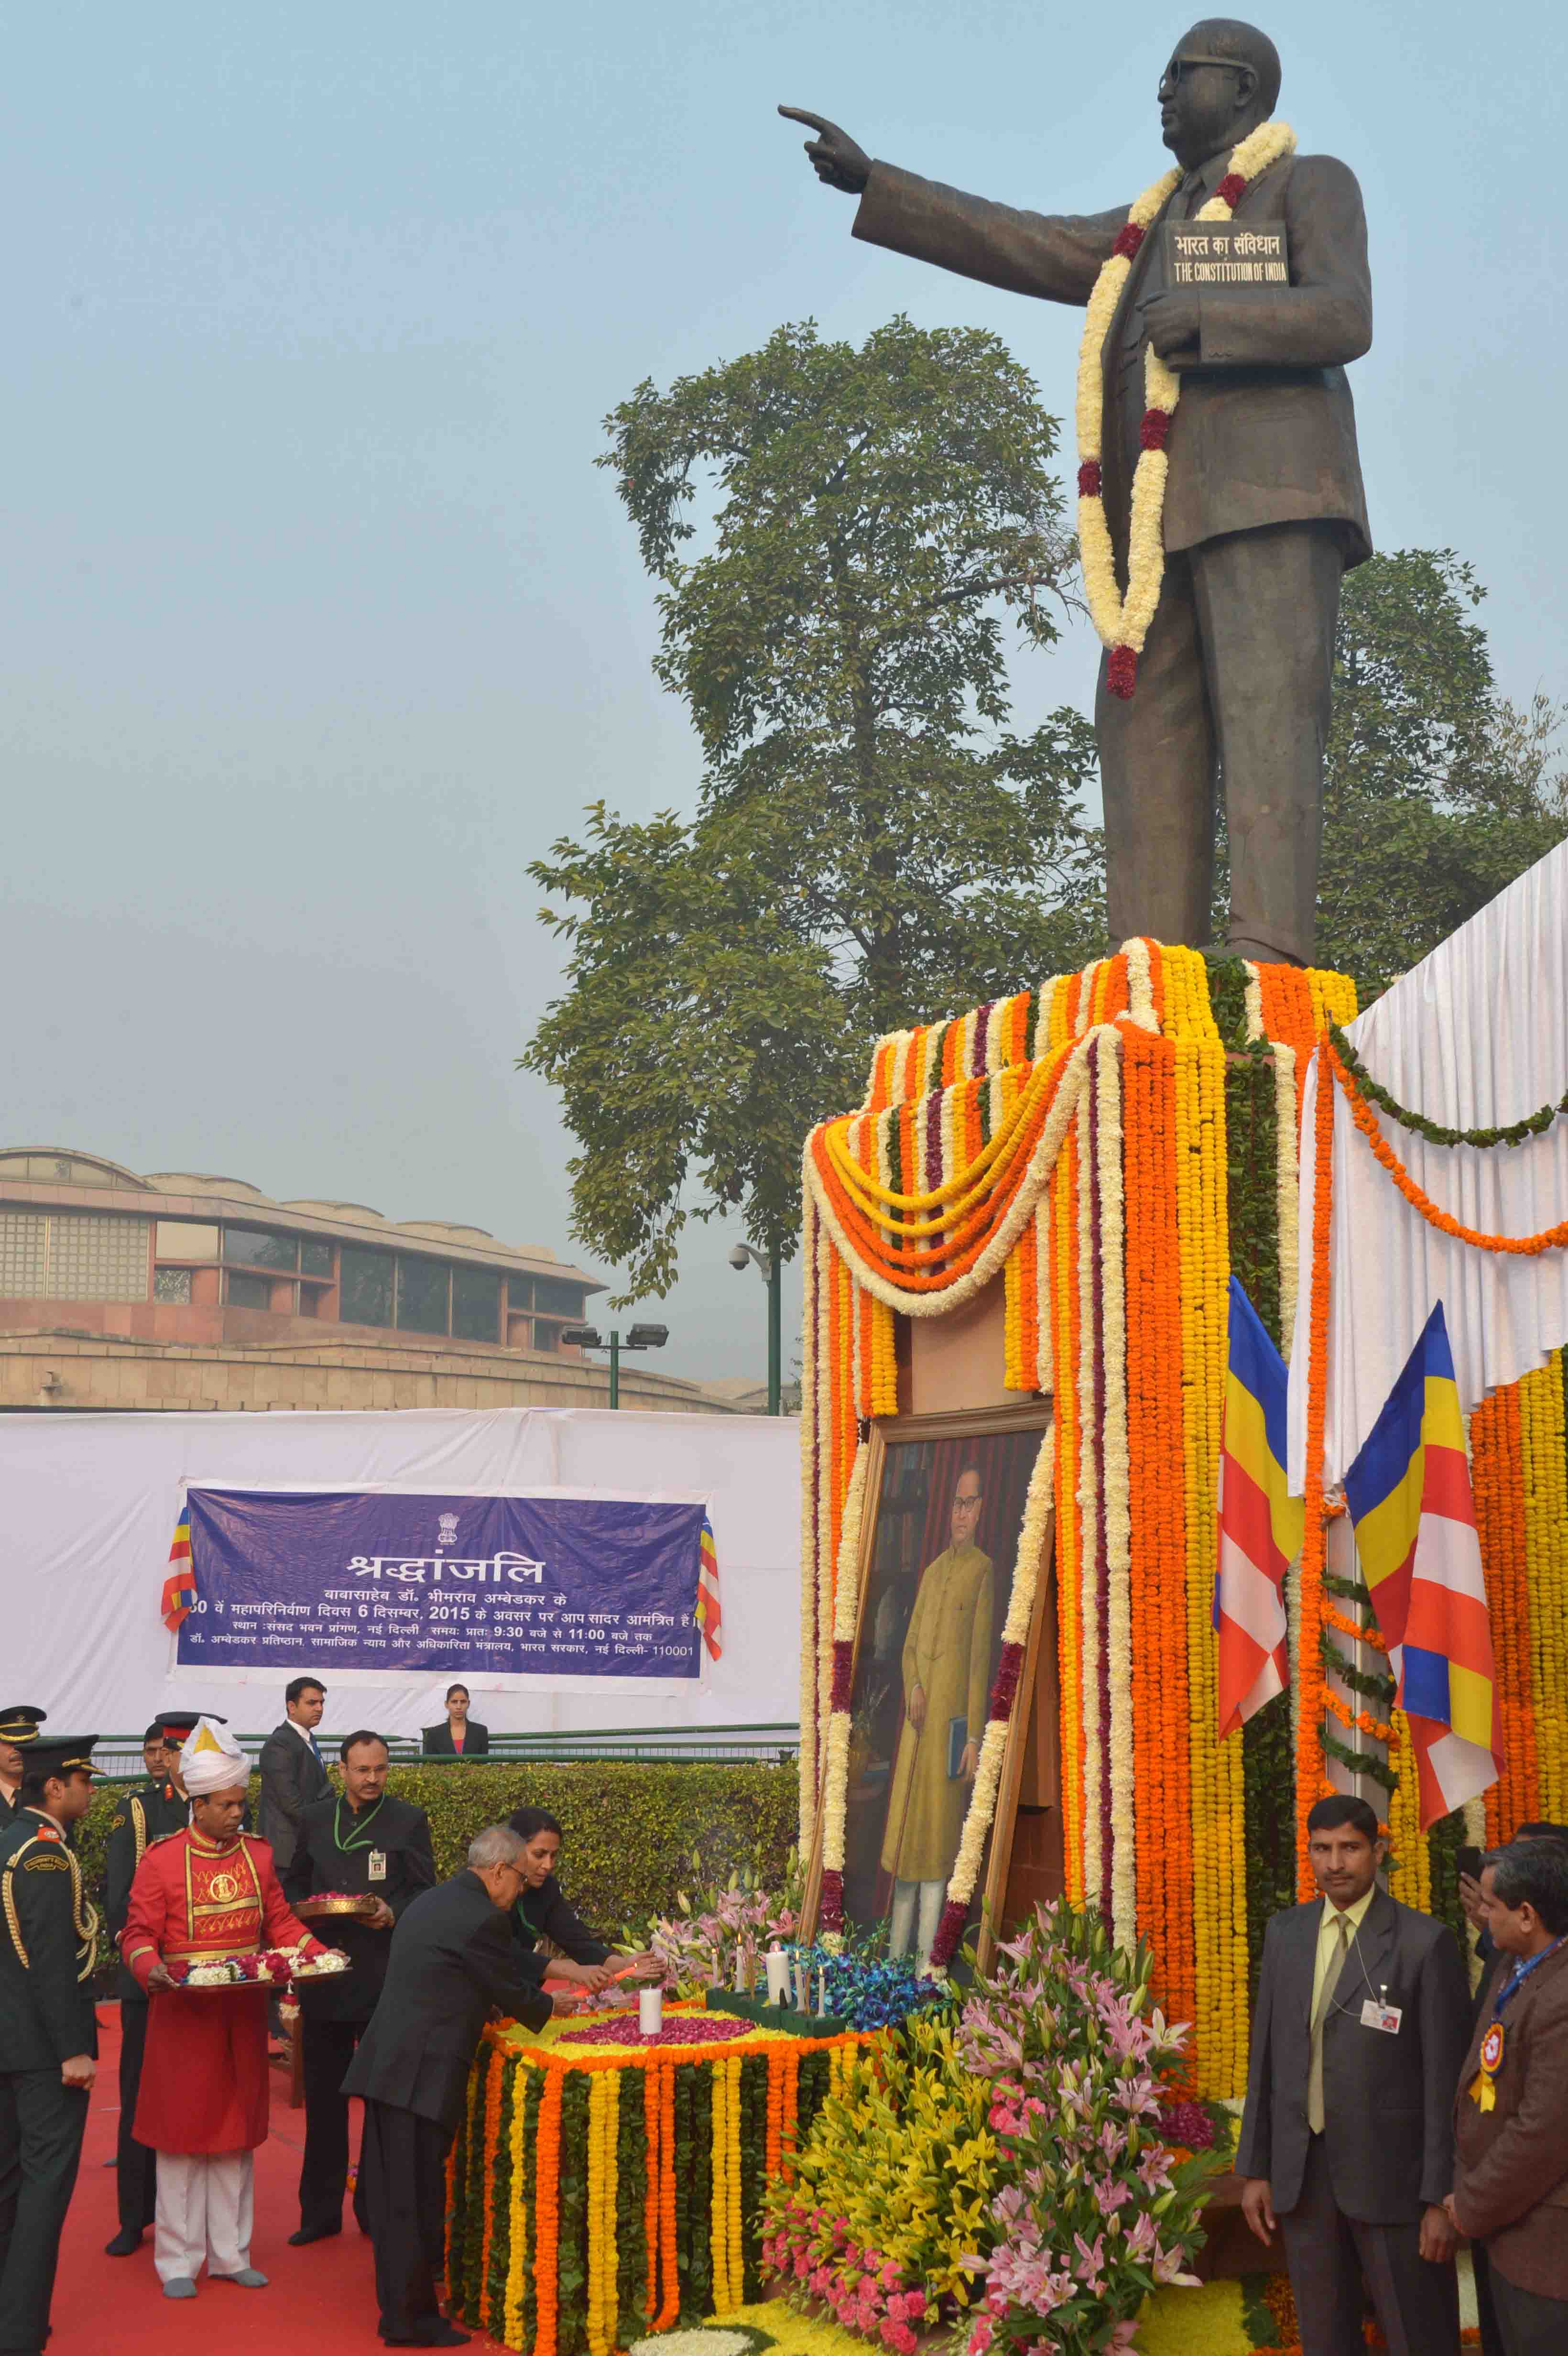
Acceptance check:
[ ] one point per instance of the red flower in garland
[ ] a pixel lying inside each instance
(1128, 240)
(1089, 480)
(1122, 672)
(1155, 425)
(1230, 189)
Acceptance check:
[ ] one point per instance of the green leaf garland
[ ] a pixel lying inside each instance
(1514, 1133)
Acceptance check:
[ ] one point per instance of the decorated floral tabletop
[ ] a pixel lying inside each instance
(690, 2033)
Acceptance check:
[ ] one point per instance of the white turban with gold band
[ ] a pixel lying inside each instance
(211, 1761)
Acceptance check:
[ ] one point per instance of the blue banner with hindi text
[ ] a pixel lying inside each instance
(403, 1582)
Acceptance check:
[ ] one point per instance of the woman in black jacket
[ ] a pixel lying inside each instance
(541, 1912)
(462, 1737)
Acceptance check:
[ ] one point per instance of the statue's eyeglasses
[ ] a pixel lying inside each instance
(1180, 66)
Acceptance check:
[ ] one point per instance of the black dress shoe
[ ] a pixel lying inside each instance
(312, 2234)
(127, 2239)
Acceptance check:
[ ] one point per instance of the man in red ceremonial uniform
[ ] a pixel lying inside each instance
(200, 1894)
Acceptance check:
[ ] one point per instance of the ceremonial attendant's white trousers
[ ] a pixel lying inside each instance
(204, 2211)
(901, 1934)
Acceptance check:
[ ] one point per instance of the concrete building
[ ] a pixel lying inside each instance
(180, 1290)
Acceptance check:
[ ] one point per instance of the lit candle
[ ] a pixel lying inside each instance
(778, 1975)
(650, 2010)
(822, 1993)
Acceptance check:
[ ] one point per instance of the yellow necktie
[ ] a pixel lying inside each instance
(1319, 2016)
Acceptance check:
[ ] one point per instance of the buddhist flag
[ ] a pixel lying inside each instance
(1409, 1496)
(1260, 1523)
(710, 1618)
(179, 1587)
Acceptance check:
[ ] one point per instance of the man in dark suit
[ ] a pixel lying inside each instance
(142, 1815)
(451, 1964)
(1346, 2142)
(49, 2031)
(293, 1773)
(1511, 2189)
(371, 1845)
(1264, 504)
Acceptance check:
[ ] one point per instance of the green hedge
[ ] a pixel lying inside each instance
(629, 1828)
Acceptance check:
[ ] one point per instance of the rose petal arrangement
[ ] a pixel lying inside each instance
(269, 1967)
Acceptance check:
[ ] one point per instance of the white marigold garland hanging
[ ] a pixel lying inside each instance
(1123, 623)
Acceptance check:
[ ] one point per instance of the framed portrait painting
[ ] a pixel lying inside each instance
(939, 1551)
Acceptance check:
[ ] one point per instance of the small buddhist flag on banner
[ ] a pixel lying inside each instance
(1260, 1523)
(1410, 1502)
(710, 1618)
(179, 1587)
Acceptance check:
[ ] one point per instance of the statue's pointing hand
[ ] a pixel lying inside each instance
(835, 158)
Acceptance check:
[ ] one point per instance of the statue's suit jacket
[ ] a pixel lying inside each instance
(1265, 430)
(1388, 2101)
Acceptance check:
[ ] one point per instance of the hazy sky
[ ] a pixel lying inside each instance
(318, 620)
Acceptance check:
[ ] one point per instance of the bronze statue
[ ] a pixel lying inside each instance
(1263, 505)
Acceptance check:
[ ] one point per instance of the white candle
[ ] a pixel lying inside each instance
(822, 1993)
(802, 1996)
(650, 2010)
(740, 1973)
(778, 1975)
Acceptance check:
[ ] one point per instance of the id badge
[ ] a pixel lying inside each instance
(1386, 2017)
(377, 1869)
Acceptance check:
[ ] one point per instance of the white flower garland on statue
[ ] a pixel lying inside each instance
(1116, 1475)
(1123, 623)
(1286, 1179)
(1088, 1521)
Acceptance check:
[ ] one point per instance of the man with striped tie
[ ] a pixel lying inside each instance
(1347, 2143)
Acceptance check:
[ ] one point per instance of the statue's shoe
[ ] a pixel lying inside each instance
(248, 2279)
(179, 2286)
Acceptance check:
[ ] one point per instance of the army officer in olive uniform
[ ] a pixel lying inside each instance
(368, 1843)
(48, 2032)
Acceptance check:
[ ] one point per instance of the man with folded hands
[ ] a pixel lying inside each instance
(204, 1895)
(362, 1843)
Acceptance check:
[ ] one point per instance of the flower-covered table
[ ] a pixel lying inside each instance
(604, 2186)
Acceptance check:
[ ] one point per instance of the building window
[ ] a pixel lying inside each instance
(475, 1304)
(315, 1256)
(365, 1286)
(519, 1293)
(546, 1336)
(172, 1284)
(186, 1239)
(560, 1300)
(24, 1254)
(253, 1247)
(97, 1256)
(246, 1292)
(423, 1289)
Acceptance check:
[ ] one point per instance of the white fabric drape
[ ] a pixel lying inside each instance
(91, 1503)
(1474, 1036)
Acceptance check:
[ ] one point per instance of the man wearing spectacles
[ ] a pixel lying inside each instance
(1264, 503)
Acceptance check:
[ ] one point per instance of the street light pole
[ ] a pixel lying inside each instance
(641, 1337)
(767, 1265)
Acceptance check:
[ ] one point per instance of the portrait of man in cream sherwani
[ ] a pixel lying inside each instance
(946, 1664)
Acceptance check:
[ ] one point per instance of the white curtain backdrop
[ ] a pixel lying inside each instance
(91, 1503)
(1474, 1037)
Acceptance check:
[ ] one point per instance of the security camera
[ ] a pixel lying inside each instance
(739, 1256)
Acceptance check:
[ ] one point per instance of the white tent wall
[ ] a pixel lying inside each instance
(89, 1503)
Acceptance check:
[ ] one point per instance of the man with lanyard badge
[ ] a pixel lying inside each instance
(364, 1843)
(1510, 2117)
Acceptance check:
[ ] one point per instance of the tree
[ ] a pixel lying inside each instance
(872, 846)
(1438, 791)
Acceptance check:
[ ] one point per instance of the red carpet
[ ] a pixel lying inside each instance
(322, 2296)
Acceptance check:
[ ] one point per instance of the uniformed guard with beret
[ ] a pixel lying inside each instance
(145, 1815)
(365, 1842)
(19, 1724)
(49, 2031)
